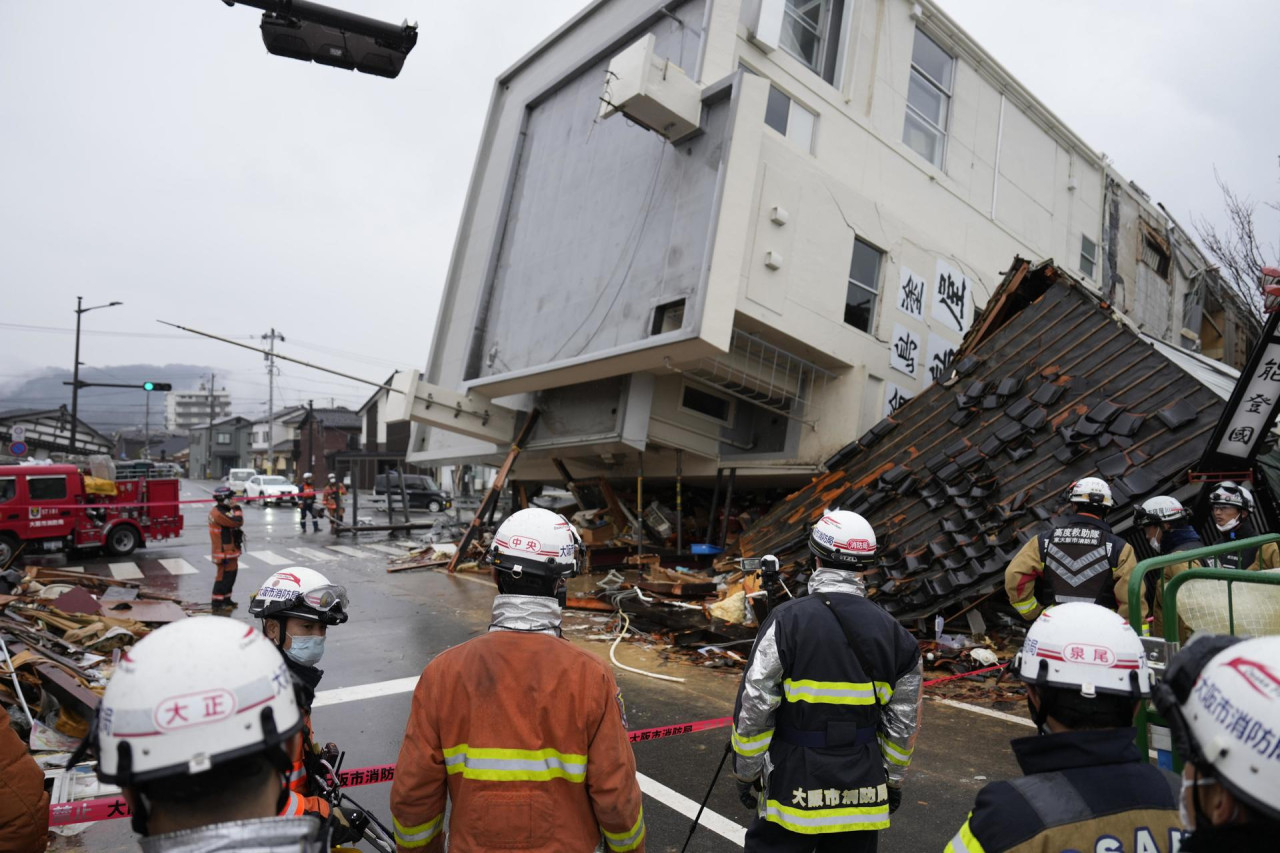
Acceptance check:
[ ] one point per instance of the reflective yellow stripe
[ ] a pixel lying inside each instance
(620, 842)
(751, 744)
(1026, 606)
(819, 821)
(514, 765)
(892, 753)
(964, 841)
(417, 836)
(836, 692)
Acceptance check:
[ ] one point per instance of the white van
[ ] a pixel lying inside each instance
(237, 477)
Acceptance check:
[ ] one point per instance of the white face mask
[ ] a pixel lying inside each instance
(305, 650)
(1230, 525)
(1153, 542)
(1185, 815)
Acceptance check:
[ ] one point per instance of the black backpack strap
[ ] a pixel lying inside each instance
(857, 652)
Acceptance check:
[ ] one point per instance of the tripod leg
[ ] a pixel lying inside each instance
(714, 779)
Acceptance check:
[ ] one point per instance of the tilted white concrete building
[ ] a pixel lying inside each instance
(795, 251)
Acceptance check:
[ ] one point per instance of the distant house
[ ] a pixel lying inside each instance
(218, 447)
(283, 436)
(322, 435)
(47, 434)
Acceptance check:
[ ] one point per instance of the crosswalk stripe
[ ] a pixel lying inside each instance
(178, 566)
(348, 550)
(313, 555)
(272, 559)
(399, 552)
(125, 571)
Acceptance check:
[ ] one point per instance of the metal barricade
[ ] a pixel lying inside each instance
(1161, 649)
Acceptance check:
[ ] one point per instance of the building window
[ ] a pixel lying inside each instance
(1088, 256)
(700, 401)
(47, 488)
(790, 119)
(864, 286)
(224, 438)
(811, 33)
(1155, 256)
(928, 99)
(668, 317)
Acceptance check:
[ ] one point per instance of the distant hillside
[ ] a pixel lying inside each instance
(106, 409)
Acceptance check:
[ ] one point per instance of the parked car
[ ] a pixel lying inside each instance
(237, 477)
(271, 489)
(422, 491)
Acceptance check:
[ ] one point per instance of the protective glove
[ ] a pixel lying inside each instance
(895, 798)
(748, 794)
(348, 825)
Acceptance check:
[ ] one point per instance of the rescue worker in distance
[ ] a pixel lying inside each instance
(1079, 560)
(334, 494)
(1087, 787)
(196, 726)
(1166, 524)
(297, 607)
(523, 734)
(1221, 696)
(307, 504)
(829, 707)
(225, 522)
(1232, 507)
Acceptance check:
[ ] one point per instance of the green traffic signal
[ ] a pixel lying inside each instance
(148, 386)
(157, 386)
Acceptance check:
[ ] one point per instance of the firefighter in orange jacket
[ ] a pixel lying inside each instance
(297, 607)
(225, 522)
(521, 732)
(307, 504)
(334, 492)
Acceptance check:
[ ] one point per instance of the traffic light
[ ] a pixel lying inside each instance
(157, 386)
(300, 29)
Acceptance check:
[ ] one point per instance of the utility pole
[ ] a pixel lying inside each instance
(146, 430)
(75, 370)
(209, 457)
(271, 398)
(311, 436)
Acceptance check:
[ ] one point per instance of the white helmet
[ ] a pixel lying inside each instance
(306, 476)
(191, 695)
(843, 539)
(538, 542)
(1221, 696)
(1085, 647)
(300, 592)
(332, 477)
(1093, 491)
(1161, 509)
(1228, 493)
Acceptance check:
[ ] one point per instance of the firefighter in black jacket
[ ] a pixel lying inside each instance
(1232, 507)
(1087, 787)
(1079, 560)
(829, 706)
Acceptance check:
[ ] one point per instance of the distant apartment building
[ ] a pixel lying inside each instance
(186, 409)
(748, 230)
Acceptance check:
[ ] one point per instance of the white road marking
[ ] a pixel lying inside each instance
(348, 550)
(272, 559)
(399, 552)
(178, 566)
(125, 571)
(986, 712)
(365, 691)
(714, 821)
(310, 554)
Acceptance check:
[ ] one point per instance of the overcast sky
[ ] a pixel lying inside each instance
(152, 152)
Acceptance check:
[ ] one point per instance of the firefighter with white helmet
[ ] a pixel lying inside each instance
(1232, 507)
(827, 714)
(297, 607)
(196, 726)
(1080, 559)
(1166, 525)
(307, 503)
(521, 734)
(1089, 786)
(1221, 697)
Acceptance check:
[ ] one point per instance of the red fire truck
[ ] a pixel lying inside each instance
(50, 508)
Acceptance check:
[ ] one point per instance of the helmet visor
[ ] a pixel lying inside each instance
(326, 598)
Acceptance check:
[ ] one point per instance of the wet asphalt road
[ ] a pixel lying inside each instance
(400, 621)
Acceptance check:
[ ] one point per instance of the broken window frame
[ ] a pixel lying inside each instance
(1088, 256)
(872, 287)
(915, 118)
(699, 388)
(827, 34)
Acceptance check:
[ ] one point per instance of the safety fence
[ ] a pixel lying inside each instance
(1159, 653)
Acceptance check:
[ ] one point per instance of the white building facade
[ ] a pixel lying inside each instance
(186, 409)
(759, 292)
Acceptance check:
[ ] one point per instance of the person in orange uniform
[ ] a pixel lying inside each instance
(225, 522)
(334, 493)
(307, 504)
(521, 732)
(297, 606)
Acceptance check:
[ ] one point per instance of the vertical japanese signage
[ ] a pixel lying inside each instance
(911, 290)
(1252, 408)
(894, 398)
(952, 298)
(942, 352)
(905, 351)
